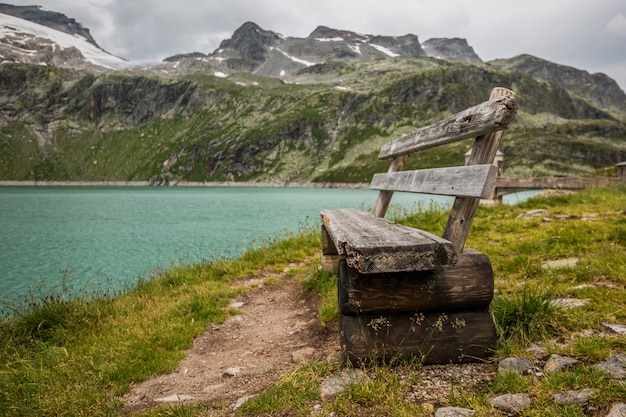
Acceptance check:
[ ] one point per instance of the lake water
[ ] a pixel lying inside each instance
(107, 238)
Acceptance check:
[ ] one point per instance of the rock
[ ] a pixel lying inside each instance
(617, 328)
(338, 383)
(557, 363)
(237, 304)
(560, 263)
(614, 367)
(569, 302)
(231, 372)
(511, 403)
(213, 388)
(241, 401)
(519, 366)
(174, 398)
(537, 351)
(454, 412)
(573, 397)
(533, 213)
(617, 410)
(302, 356)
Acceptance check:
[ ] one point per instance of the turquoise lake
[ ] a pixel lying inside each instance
(107, 238)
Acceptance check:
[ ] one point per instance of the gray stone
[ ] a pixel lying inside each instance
(533, 213)
(617, 410)
(338, 383)
(241, 401)
(560, 263)
(515, 365)
(174, 398)
(577, 397)
(237, 304)
(614, 367)
(454, 412)
(569, 302)
(230, 372)
(557, 363)
(511, 403)
(617, 328)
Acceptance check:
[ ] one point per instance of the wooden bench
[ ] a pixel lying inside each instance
(404, 292)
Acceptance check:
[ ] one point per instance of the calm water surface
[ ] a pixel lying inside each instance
(107, 238)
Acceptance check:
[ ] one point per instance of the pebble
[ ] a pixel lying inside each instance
(577, 397)
(560, 263)
(515, 365)
(174, 398)
(557, 363)
(617, 410)
(569, 302)
(241, 401)
(617, 328)
(512, 403)
(533, 213)
(230, 372)
(338, 383)
(614, 367)
(454, 412)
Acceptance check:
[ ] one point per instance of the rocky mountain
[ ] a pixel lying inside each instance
(264, 52)
(265, 107)
(30, 34)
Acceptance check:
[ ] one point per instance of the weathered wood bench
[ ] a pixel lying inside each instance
(404, 292)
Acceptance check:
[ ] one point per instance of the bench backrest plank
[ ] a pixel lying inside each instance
(475, 181)
(490, 116)
(486, 121)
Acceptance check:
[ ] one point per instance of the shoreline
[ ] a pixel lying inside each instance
(359, 185)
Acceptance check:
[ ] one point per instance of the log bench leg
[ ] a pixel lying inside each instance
(437, 317)
(432, 337)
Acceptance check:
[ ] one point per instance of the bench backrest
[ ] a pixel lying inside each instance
(470, 183)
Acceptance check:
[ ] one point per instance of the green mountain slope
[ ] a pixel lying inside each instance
(324, 124)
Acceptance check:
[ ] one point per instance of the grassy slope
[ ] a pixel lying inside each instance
(70, 358)
(257, 128)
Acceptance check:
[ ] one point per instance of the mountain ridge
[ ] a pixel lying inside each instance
(274, 109)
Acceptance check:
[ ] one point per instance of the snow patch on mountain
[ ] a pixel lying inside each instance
(384, 50)
(17, 32)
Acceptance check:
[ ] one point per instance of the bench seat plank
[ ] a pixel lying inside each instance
(475, 181)
(372, 244)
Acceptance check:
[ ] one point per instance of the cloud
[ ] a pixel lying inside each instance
(580, 33)
(617, 25)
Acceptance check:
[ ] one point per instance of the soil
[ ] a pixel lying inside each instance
(277, 330)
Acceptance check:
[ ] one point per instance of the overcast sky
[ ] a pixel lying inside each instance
(586, 34)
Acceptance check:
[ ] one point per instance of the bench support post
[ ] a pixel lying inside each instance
(384, 197)
(463, 210)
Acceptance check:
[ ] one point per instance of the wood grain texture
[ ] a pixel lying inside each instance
(477, 181)
(435, 338)
(493, 115)
(483, 152)
(372, 244)
(465, 286)
(384, 197)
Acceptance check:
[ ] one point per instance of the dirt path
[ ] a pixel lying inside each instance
(277, 330)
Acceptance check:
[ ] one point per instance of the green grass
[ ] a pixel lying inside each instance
(73, 357)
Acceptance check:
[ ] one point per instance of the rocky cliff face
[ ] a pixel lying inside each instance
(597, 88)
(455, 48)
